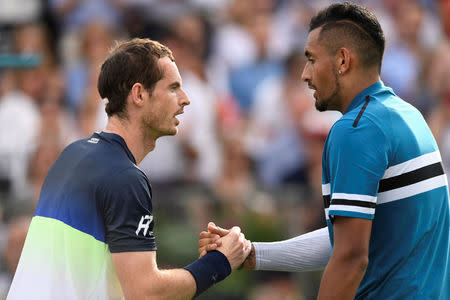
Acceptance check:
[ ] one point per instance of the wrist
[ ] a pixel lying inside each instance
(250, 261)
(209, 269)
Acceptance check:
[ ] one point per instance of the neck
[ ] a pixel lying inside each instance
(355, 85)
(138, 143)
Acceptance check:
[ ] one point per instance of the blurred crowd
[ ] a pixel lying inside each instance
(249, 147)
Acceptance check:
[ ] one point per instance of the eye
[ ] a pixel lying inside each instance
(311, 60)
(174, 87)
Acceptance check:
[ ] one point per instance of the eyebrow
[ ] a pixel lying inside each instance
(174, 85)
(307, 53)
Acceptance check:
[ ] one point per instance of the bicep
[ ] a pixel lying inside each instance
(351, 236)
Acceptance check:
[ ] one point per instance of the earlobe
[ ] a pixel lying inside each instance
(345, 60)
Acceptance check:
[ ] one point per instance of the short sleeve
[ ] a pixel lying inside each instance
(127, 212)
(357, 159)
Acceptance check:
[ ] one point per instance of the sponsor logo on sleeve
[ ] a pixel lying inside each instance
(144, 224)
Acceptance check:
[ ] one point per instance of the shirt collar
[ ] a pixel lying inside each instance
(361, 97)
(112, 137)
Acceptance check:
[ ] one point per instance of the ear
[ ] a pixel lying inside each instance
(344, 60)
(137, 94)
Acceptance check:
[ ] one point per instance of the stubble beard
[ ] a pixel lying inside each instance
(327, 103)
(152, 132)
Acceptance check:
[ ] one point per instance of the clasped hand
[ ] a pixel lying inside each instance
(231, 242)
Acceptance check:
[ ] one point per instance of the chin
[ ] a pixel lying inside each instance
(321, 106)
(172, 131)
(167, 132)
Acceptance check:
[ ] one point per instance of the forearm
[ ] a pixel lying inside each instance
(173, 284)
(342, 277)
(160, 284)
(307, 252)
(140, 277)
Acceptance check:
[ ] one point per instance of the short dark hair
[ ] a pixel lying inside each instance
(351, 23)
(130, 62)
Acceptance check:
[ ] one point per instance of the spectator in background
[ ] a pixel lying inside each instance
(200, 131)
(16, 13)
(16, 232)
(236, 186)
(408, 53)
(439, 82)
(273, 138)
(194, 155)
(20, 122)
(315, 127)
(58, 129)
(96, 37)
(245, 41)
(19, 108)
(244, 80)
(444, 13)
(73, 15)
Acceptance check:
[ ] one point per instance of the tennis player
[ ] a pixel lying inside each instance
(92, 233)
(384, 188)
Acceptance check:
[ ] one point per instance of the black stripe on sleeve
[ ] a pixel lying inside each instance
(353, 203)
(326, 201)
(411, 177)
(355, 123)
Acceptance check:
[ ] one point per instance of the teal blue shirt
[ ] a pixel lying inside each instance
(381, 162)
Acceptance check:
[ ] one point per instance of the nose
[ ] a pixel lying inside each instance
(306, 74)
(184, 98)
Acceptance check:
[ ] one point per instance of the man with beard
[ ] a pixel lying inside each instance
(92, 233)
(383, 184)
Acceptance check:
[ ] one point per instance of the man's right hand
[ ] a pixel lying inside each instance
(231, 243)
(210, 240)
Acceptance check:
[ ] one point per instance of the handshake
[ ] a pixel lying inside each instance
(232, 243)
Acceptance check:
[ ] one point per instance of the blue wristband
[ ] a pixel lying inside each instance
(211, 268)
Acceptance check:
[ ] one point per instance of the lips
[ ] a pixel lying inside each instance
(181, 111)
(314, 89)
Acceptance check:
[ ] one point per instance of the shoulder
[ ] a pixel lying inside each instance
(129, 181)
(103, 161)
(351, 127)
(125, 189)
(348, 139)
(124, 175)
(128, 175)
(378, 113)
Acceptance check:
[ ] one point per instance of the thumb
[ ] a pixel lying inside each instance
(213, 228)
